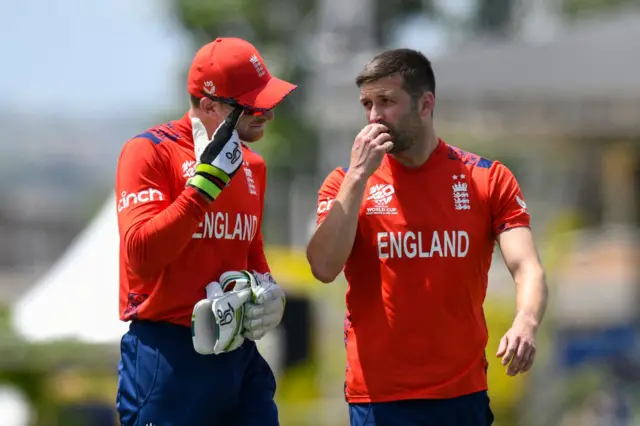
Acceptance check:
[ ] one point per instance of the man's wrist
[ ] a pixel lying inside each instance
(208, 188)
(356, 176)
(202, 194)
(527, 318)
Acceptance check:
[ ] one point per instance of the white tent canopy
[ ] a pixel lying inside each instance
(78, 297)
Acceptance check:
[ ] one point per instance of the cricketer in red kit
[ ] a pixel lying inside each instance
(194, 281)
(413, 222)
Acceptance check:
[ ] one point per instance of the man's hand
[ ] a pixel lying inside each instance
(369, 148)
(219, 158)
(216, 323)
(518, 346)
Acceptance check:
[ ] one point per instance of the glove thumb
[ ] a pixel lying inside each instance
(213, 290)
(235, 280)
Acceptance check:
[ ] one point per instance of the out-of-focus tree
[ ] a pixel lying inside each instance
(580, 8)
(277, 28)
(493, 16)
(460, 21)
(390, 12)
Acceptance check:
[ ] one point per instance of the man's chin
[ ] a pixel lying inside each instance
(399, 148)
(251, 136)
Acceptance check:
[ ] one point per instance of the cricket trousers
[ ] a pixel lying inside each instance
(467, 410)
(163, 381)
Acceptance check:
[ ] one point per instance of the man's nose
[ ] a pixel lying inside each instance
(268, 115)
(375, 115)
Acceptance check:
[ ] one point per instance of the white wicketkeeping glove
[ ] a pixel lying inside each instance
(217, 159)
(216, 323)
(264, 311)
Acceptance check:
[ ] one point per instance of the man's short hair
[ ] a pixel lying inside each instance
(194, 101)
(414, 68)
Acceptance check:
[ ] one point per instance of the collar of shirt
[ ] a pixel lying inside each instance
(183, 127)
(396, 167)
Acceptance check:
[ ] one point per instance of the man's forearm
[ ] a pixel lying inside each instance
(332, 241)
(160, 240)
(531, 294)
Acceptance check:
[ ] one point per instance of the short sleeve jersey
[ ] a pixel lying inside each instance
(417, 274)
(173, 243)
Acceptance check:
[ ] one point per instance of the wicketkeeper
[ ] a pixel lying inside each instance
(194, 281)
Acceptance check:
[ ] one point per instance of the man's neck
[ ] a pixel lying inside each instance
(419, 153)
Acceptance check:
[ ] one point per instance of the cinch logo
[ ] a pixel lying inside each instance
(324, 206)
(143, 196)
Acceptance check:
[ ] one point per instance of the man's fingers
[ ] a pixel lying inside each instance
(528, 363)
(382, 142)
(517, 366)
(511, 351)
(527, 359)
(366, 130)
(375, 129)
(523, 359)
(388, 146)
(518, 359)
(516, 353)
(502, 347)
(381, 138)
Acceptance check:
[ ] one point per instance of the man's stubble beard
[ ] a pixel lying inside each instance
(406, 133)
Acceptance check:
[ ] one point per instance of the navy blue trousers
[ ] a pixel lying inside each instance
(467, 410)
(163, 381)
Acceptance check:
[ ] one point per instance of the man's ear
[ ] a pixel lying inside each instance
(427, 104)
(207, 106)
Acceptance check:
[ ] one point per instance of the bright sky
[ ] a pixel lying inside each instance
(115, 55)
